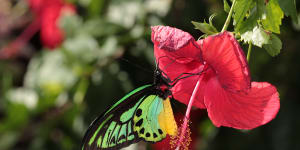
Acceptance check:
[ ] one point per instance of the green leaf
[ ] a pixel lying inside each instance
(240, 10)
(256, 12)
(211, 19)
(273, 16)
(274, 46)
(257, 37)
(205, 27)
(289, 8)
(226, 6)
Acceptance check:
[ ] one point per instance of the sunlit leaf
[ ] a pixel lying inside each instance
(240, 9)
(205, 27)
(226, 6)
(255, 15)
(274, 15)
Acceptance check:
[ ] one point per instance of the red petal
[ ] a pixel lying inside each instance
(223, 53)
(175, 51)
(241, 110)
(51, 34)
(182, 91)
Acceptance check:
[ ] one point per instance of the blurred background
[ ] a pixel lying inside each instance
(62, 63)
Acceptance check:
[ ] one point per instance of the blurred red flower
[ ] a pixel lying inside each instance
(49, 13)
(46, 19)
(225, 90)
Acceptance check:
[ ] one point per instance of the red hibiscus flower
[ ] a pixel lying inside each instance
(223, 87)
(49, 12)
(46, 19)
(166, 144)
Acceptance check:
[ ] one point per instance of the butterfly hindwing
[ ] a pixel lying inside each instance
(146, 119)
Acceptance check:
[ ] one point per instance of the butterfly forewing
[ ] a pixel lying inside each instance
(131, 119)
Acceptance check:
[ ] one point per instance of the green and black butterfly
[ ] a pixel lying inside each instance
(143, 114)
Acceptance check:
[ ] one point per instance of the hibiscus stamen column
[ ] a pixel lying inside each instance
(187, 114)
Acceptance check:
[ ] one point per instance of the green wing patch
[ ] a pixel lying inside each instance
(146, 119)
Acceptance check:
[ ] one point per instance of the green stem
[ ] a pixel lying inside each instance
(228, 17)
(249, 52)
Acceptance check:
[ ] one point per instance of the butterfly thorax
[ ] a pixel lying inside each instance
(162, 86)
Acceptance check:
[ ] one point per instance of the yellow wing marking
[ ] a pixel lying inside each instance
(166, 119)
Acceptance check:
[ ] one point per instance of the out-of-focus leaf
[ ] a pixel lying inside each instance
(274, 46)
(50, 73)
(297, 25)
(99, 27)
(124, 13)
(289, 8)
(84, 3)
(159, 7)
(257, 37)
(240, 9)
(8, 139)
(226, 6)
(109, 47)
(205, 27)
(71, 24)
(6, 82)
(208, 129)
(273, 18)
(95, 7)
(17, 116)
(25, 96)
(83, 47)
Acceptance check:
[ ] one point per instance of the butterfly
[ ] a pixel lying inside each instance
(143, 114)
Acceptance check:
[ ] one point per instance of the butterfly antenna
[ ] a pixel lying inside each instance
(135, 65)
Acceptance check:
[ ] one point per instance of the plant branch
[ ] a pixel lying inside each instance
(228, 17)
(249, 52)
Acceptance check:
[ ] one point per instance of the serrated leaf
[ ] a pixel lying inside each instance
(240, 9)
(226, 6)
(256, 11)
(273, 18)
(289, 8)
(205, 27)
(257, 37)
(274, 46)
